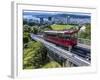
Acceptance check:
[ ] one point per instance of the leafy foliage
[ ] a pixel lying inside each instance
(25, 21)
(86, 34)
(25, 37)
(52, 64)
(34, 55)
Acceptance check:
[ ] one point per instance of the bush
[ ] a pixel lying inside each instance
(25, 40)
(34, 55)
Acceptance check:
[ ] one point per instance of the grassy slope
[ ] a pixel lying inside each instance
(61, 27)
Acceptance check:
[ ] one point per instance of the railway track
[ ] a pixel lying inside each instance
(77, 55)
(82, 52)
(77, 50)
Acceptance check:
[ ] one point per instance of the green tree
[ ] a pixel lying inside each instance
(25, 21)
(87, 33)
(34, 55)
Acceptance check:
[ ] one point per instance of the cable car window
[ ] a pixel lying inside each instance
(66, 36)
(53, 35)
(59, 35)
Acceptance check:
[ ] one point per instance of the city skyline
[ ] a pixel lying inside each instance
(57, 17)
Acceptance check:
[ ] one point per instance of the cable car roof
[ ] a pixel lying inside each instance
(63, 32)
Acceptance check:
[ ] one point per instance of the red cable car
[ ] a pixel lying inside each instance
(66, 38)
